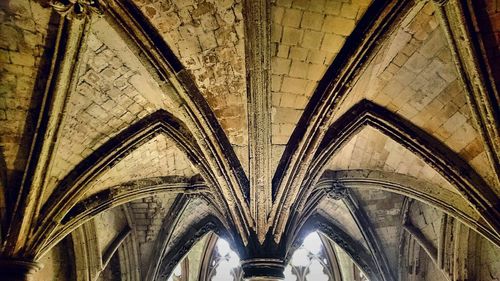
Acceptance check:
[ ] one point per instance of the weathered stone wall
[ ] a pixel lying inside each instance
(306, 37)
(488, 261)
(157, 157)
(427, 220)
(384, 210)
(337, 211)
(108, 225)
(106, 100)
(24, 27)
(148, 214)
(208, 38)
(370, 149)
(414, 75)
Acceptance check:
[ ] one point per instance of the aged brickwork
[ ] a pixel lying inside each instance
(149, 214)
(427, 220)
(306, 37)
(196, 210)
(384, 210)
(337, 211)
(157, 157)
(24, 27)
(415, 77)
(208, 38)
(105, 101)
(371, 149)
(391, 162)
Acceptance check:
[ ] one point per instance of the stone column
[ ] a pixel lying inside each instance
(263, 269)
(17, 270)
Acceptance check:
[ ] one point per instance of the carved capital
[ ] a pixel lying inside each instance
(78, 9)
(337, 191)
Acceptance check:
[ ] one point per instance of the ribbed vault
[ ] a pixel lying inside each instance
(174, 122)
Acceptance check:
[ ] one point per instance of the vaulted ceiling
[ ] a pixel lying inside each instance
(252, 119)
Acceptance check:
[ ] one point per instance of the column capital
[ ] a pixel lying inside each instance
(263, 269)
(18, 269)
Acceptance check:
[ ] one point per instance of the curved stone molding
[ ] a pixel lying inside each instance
(381, 18)
(436, 154)
(445, 200)
(440, 2)
(76, 183)
(354, 249)
(178, 251)
(143, 37)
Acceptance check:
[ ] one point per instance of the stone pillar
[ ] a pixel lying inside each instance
(17, 270)
(263, 269)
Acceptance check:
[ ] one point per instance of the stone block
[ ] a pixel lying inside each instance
(283, 51)
(312, 39)
(301, 4)
(318, 57)
(312, 20)
(276, 31)
(280, 66)
(292, 18)
(294, 85)
(284, 3)
(285, 115)
(349, 10)
(277, 14)
(332, 43)
(316, 71)
(298, 69)
(317, 6)
(338, 25)
(430, 48)
(332, 7)
(207, 41)
(417, 62)
(291, 36)
(298, 53)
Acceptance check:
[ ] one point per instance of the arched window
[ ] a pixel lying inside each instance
(225, 263)
(314, 260)
(309, 262)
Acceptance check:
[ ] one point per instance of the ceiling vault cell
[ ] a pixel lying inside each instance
(60, 83)
(437, 155)
(200, 118)
(379, 21)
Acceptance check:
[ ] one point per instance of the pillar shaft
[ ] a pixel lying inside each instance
(263, 269)
(18, 270)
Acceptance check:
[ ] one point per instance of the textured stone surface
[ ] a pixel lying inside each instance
(196, 210)
(108, 98)
(306, 37)
(208, 38)
(414, 75)
(370, 149)
(24, 27)
(148, 214)
(427, 219)
(157, 157)
(337, 211)
(384, 210)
